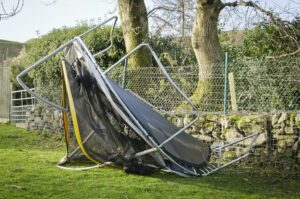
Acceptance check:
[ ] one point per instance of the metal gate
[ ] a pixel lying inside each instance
(21, 102)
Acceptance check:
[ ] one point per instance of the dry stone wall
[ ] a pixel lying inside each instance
(44, 119)
(278, 133)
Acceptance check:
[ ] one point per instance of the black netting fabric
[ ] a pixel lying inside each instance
(102, 131)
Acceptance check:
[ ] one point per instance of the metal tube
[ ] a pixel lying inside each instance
(160, 66)
(219, 148)
(42, 60)
(178, 132)
(236, 142)
(233, 161)
(252, 142)
(146, 152)
(21, 99)
(84, 141)
(101, 24)
(111, 37)
(18, 91)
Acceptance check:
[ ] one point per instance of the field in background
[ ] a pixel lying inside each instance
(9, 49)
(27, 170)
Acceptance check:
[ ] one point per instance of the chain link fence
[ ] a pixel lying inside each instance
(237, 98)
(244, 86)
(266, 86)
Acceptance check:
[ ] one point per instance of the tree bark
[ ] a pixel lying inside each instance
(134, 23)
(209, 55)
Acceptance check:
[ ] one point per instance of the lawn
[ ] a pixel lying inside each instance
(27, 170)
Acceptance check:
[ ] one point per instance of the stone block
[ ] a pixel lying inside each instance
(37, 119)
(290, 130)
(216, 134)
(232, 135)
(283, 118)
(275, 118)
(179, 122)
(56, 115)
(295, 147)
(36, 113)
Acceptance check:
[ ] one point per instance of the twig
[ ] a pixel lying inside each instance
(15, 10)
(277, 22)
(283, 55)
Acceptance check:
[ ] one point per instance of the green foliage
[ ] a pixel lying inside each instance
(262, 84)
(267, 40)
(172, 51)
(16, 66)
(262, 41)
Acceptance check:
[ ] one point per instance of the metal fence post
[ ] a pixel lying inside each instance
(268, 131)
(124, 73)
(225, 82)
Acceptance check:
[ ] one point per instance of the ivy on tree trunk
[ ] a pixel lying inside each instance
(208, 53)
(134, 23)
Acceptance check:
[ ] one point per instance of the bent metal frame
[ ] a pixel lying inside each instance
(217, 150)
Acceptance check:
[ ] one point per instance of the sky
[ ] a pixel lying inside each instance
(37, 17)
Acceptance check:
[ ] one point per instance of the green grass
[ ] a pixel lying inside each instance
(27, 170)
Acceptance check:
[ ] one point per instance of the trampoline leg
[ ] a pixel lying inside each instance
(219, 150)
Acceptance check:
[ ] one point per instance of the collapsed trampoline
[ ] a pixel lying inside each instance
(117, 127)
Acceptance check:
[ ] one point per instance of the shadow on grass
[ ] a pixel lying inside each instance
(244, 180)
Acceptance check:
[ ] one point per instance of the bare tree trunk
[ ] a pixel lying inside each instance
(208, 53)
(134, 22)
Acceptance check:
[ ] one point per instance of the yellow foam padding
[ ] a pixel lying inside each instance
(74, 116)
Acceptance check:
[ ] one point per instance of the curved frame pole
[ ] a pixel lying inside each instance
(160, 66)
(56, 51)
(111, 37)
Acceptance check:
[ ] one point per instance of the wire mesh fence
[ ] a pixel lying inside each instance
(266, 85)
(248, 86)
(237, 98)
